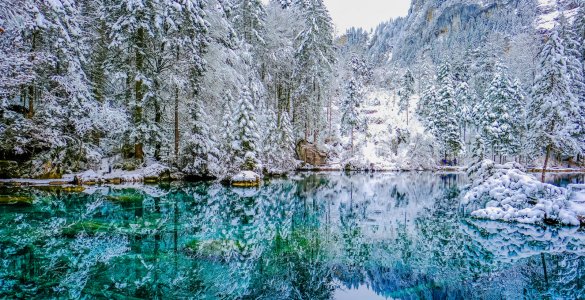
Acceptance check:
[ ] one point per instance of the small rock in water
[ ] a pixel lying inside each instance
(246, 179)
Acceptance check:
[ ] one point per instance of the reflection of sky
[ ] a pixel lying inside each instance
(362, 292)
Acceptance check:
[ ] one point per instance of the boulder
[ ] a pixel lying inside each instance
(156, 172)
(310, 154)
(245, 179)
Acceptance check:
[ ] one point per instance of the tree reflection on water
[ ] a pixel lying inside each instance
(397, 235)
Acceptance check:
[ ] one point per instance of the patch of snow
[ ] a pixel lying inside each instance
(246, 176)
(509, 194)
(154, 170)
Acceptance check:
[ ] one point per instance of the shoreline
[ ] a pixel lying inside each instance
(71, 181)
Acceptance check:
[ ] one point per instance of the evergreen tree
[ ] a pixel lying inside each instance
(406, 92)
(351, 104)
(425, 105)
(249, 17)
(466, 101)
(501, 126)
(200, 156)
(553, 111)
(443, 122)
(315, 56)
(287, 141)
(227, 134)
(246, 139)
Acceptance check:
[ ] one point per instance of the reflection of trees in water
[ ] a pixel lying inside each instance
(546, 261)
(399, 234)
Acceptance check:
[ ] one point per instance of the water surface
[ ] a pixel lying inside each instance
(314, 236)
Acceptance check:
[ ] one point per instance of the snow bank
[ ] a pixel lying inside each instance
(390, 143)
(508, 194)
(155, 170)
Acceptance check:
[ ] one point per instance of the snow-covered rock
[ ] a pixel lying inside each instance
(155, 170)
(508, 194)
(245, 179)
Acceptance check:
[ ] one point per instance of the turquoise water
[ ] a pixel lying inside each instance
(314, 236)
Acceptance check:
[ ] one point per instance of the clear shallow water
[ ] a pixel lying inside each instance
(329, 236)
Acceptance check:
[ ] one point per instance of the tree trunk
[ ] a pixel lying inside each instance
(352, 129)
(176, 123)
(138, 146)
(31, 88)
(544, 268)
(548, 149)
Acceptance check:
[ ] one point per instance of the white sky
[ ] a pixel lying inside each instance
(364, 13)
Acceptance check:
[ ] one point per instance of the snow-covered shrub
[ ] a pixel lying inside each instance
(504, 192)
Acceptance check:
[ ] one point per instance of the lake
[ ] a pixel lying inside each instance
(312, 236)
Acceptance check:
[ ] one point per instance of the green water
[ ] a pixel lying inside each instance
(329, 236)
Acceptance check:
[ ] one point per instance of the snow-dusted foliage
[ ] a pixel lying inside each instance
(506, 193)
(246, 141)
(554, 113)
(200, 155)
(137, 82)
(503, 114)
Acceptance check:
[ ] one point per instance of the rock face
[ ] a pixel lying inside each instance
(309, 153)
(9, 169)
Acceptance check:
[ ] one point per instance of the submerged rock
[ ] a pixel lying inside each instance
(16, 200)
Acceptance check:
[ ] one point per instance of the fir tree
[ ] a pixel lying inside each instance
(228, 133)
(501, 125)
(249, 17)
(315, 56)
(246, 139)
(287, 141)
(443, 122)
(351, 104)
(406, 92)
(200, 156)
(553, 111)
(466, 101)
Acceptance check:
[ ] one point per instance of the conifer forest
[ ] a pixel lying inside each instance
(256, 149)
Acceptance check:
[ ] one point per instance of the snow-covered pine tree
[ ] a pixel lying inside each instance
(481, 69)
(477, 156)
(228, 132)
(249, 17)
(44, 83)
(501, 126)
(200, 155)
(246, 133)
(466, 101)
(426, 105)
(553, 114)
(271, 145)
(406, 92)
(315, 56)
(350, 118)
(287, 142)
(284, 4)
(130, 23)
(443, 120)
